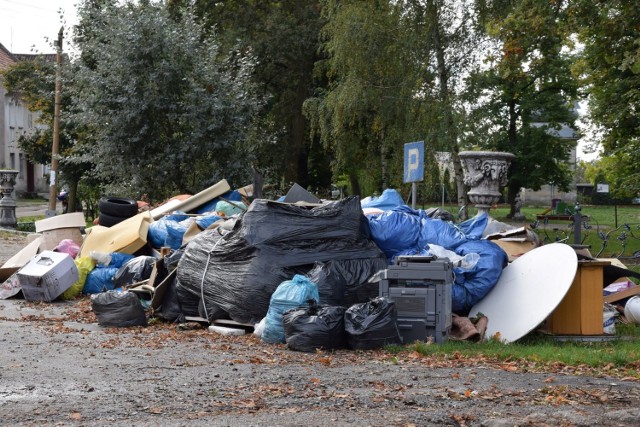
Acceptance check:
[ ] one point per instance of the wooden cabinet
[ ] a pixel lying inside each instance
(580, 312)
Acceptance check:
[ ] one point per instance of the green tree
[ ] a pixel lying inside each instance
(448, 45)
(526, 93)
(610, 67)
(164, 114)
(282, 36)
(365, 111)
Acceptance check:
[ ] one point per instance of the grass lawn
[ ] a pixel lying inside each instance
(606, 232)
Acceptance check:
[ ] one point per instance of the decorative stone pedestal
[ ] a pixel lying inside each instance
(7, 204)
(486, 173)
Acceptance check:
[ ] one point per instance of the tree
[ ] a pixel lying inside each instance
(610, 67)
(364, 114)
(282, 36)
(526, 93)
(164, 114)
(448, 43)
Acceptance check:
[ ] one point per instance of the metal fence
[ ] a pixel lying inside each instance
(600, 239)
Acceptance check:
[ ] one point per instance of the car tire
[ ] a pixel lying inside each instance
(118, 207)
(109, 220)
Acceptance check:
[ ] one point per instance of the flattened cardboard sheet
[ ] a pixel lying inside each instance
(126, 237)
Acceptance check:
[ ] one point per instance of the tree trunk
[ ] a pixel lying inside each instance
(513, 188)
(383, 162)
(73, 196)
(450, 131)
(355, 184)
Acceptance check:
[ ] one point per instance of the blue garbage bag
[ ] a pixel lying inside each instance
(289, 294)
(158, 233)
(175, 232)
(100, 279)
(397, 231)
(474, 227)
(474, 284)
(441, 233)
(205, 221)
(388, 200)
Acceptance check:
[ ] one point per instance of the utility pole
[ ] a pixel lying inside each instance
(56, 129)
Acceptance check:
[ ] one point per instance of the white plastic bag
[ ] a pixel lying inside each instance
(466, 262)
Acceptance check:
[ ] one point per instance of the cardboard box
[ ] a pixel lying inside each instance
(20, 259)
(580, 312)
(47, 276)
(61, 227)
(515, 249)
(627, 293)
(51, 238)
(127, 236)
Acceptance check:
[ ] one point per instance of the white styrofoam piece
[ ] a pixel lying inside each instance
(226, 331)
(528, 291)
(74, 219)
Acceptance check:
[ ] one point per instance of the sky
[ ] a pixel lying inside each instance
(28, 23)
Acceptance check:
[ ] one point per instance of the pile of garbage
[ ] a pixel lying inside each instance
(302, 271)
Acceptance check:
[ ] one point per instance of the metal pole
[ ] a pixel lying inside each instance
(414, 193)
(577, 223)
(56, 128)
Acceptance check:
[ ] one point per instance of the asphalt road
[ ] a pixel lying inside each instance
(60, 368)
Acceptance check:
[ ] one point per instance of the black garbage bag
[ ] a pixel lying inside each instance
(171, 309)
(338, 278)
(133, 271)
(270, 243)
(119, 309)
(268, 222)
(315, 327)
(372, 324)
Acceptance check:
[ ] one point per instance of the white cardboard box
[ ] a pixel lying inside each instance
(47, 276)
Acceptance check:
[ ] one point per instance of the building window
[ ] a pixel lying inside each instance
(20, 167)
(30, 120)
(12, 157)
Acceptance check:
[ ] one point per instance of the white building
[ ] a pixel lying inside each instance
(16, 120)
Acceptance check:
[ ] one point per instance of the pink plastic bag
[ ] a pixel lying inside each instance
(68, 247)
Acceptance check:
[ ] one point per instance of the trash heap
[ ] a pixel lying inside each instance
(236, 274)
(303, 273)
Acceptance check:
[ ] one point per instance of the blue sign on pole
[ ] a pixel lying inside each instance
(414, 161)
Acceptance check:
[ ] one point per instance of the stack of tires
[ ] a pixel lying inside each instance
(114, 210)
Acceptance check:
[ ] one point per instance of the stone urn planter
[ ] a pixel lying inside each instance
(7, 204)
(485, 172)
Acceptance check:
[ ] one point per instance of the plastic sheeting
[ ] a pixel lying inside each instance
(133, 271)
(472, 285)
(270, 243)
(388, 200)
